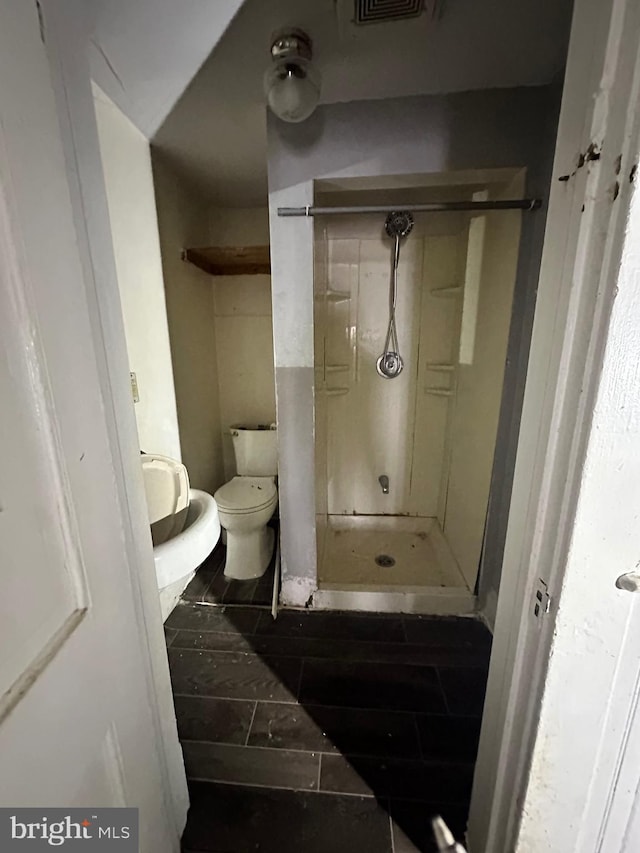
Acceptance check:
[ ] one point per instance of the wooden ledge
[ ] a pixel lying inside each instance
(230, 260)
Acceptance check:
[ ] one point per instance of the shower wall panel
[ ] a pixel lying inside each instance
(366, 425)
(474, 416)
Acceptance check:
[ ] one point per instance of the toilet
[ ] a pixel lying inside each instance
(247, 502)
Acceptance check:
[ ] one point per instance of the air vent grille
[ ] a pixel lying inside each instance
(379, 11)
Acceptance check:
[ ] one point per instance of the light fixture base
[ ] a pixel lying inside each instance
(289, 43)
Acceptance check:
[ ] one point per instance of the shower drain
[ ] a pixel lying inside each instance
(385, 561)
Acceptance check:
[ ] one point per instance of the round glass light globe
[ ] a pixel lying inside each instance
(293, 89)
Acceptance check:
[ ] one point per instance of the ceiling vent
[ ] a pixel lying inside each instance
(381, 11)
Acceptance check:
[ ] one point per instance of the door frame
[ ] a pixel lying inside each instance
(68, 49)
(592, 183)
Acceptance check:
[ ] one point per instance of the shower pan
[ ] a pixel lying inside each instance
(403, 467)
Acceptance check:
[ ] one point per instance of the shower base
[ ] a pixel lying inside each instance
(388, 563)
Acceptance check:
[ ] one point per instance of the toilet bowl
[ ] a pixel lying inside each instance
(245, 505)
(248, 501)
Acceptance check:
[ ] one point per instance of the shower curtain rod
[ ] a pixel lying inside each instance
(431, 207)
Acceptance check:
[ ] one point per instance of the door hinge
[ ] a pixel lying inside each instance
(542, 602)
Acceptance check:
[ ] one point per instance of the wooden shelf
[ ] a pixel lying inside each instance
(230, 260)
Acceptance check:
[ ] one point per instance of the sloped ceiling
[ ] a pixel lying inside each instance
(216, 133)
(144, 53)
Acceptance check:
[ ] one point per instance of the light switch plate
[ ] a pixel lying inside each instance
(134, 387)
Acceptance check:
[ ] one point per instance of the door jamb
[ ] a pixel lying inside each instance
(597, 148)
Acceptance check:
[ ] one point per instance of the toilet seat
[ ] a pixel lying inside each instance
(246, 494)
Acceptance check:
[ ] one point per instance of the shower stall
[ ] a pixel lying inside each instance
(411, 325)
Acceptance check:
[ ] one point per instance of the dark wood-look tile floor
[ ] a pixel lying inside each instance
(323, 731)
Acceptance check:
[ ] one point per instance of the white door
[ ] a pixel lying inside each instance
(78, 718)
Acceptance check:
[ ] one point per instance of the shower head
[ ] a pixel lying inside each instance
(398, 223)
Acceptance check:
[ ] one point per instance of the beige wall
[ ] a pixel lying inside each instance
(183, 221)
(126, 163)
(243, 330)
(474, 421)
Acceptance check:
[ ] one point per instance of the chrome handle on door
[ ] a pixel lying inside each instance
(629, 582)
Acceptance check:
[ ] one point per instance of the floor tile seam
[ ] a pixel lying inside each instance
(230, 698)
(386, 796)
(366, 710)
(444, 695)
(316, 704)
(300, 676)
(315, 658)
(253, 716)
(390, 800)
(279, 788)
(253, 748)
(428, 763)
(418, 737)
(323, 791)
(265, 657)
(354, 661)
(358, 708)
(335, 753)
(399, 644)
(403, 622)
(309, 658)
(367, 660)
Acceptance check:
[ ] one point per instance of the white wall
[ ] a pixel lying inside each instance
(144, 54)
(126, 162)
(244, 341)
(183, 222)
(377, 426)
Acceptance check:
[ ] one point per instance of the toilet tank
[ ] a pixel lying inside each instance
(256, 450)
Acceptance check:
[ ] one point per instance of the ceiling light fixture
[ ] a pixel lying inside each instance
(292, 84)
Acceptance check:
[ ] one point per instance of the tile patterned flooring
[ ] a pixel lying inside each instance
(322, 731)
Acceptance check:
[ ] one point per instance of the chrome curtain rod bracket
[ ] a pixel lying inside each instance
(528, 204)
